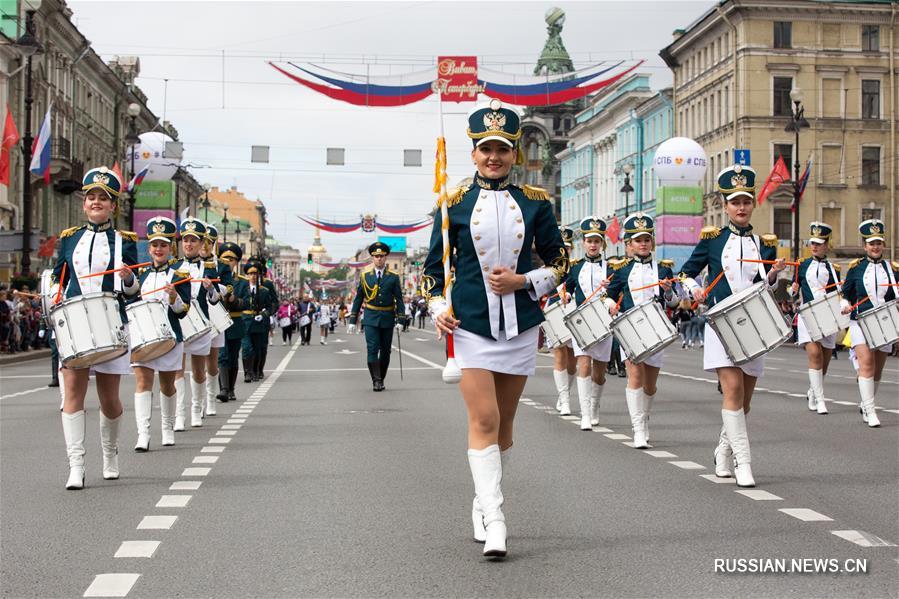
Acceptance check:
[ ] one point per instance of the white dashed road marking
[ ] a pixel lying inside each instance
(716, 479)
(806, 515)
(759, 495)
(111, 585)
(173, 501)
(157, 522)
(186, 485)
(660, 454)
(687, 465)
(196, 471)
(862, 538)
(137, 549)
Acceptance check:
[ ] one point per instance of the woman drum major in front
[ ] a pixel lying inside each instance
(723, 251)
(493, 225)
(91, 249)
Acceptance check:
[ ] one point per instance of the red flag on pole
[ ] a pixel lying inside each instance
(614, 230)
(45, 250)
(10, 139)
(778, 176)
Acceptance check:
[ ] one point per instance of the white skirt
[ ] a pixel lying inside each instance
(856, 337)
(200, 347)
(171, 361)
(507, 356)
(120, 365)
(655, 360)
(218, 340)
(601, 352)
(803, 337)
(714, 356)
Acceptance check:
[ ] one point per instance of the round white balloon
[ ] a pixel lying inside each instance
(150, 151)
(680, 161)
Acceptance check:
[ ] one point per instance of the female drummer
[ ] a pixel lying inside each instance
(93, 248)
(870, 282)
(816, 277)
(726, 253)
(492, 227)
(638, 281)
(159, 282)
(224, 286)
(586, 280)
(193, 234)
(564, 362)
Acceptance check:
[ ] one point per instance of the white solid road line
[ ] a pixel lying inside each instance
(26, 392)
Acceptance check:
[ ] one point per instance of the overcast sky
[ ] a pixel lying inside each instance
(183, 42)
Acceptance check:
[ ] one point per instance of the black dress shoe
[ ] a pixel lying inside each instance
(613, 370)
(53, 383)
(247, 377)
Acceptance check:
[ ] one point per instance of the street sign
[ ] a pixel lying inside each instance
(741, 157)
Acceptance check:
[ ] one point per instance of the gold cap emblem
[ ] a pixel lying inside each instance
(159, 227)
(494, 121)
(875, 230)
(101, 178)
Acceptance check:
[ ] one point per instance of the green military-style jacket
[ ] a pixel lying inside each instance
(383, 302)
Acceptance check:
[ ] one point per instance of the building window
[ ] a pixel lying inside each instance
(869, 213)
(784, 150)
(781, 103)
(831, 167)
(783, 223)
(870, 165)
(870, 99)
(532, 151)
(783, 34)
(870, 38)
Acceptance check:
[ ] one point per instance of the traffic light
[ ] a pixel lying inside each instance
(309, 258)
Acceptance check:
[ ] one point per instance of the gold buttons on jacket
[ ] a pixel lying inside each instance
(482, 252)
(518, 220)
(486, 268)
(475, 222)
(520, 236)
(477, 237)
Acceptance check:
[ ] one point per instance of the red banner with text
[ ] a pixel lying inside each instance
(457, 79)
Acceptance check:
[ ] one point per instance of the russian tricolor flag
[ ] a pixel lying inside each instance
(138, 178)
(40, 151)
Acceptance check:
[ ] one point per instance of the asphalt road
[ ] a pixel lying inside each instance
(326, 489)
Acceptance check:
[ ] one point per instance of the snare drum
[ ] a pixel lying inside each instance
(589, 323)
(880, 325)
(749, 323)
(89, 330)
(46, 294)
(557, 334)
(150, 333)
(219, 317)
(644, 331)
(823, 317)
(194, 325)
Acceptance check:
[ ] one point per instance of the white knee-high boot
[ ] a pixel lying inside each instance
(143, 410)
(596, 396)
(109, 443)
(212, 389)
(584, 395)
(487, 473)
(180, 406)
(477, 515)
(73, 432)
(635, 408)
(197, 399)
(816, 391)
(735, 425)
(167, 405)
(867, 389)
(647, 408)
(723, 454)
(561, 379)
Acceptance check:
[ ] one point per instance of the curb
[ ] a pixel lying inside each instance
(35, 354)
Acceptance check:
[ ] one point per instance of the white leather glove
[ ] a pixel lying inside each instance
(351, 330)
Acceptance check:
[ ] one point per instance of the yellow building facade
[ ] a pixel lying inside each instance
(734, 70)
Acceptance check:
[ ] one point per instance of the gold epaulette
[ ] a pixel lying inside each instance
(710, 232)
(454, 196)
(172, 261)
(574, 261)
(184, 274)
(667, 262)
(535, 193)
(68, 232)
(209, 263)
(854, 263)
(895, 265)
(770, 240)
(129, 235)
(837, 267)
(142, 270)
(619, 264)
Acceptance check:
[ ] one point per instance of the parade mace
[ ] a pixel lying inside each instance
(452, 374)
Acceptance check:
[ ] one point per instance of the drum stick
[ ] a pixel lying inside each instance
(62, 276)
(109, 272)
(597, 290)
(708, 289)
(889, 284)
(181, 282)
(829, 286)
(767, 262)
(860, 302)
(652, 285)
(25, 294)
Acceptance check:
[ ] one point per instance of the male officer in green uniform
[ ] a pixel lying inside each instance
(273, 302)
(236, 301)
(382, 293)
(256, 319)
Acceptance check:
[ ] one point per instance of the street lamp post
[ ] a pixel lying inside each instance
(205, 203)
(796, 124)
(225, 222)
(133, 140)
(626, 189)
(28, 45)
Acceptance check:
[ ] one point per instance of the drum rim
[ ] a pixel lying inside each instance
(619, 321)
(726, 304)
(124, 349)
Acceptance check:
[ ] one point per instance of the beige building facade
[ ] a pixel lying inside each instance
(734, 69)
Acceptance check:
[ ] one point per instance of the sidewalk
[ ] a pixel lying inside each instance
(35, 354)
